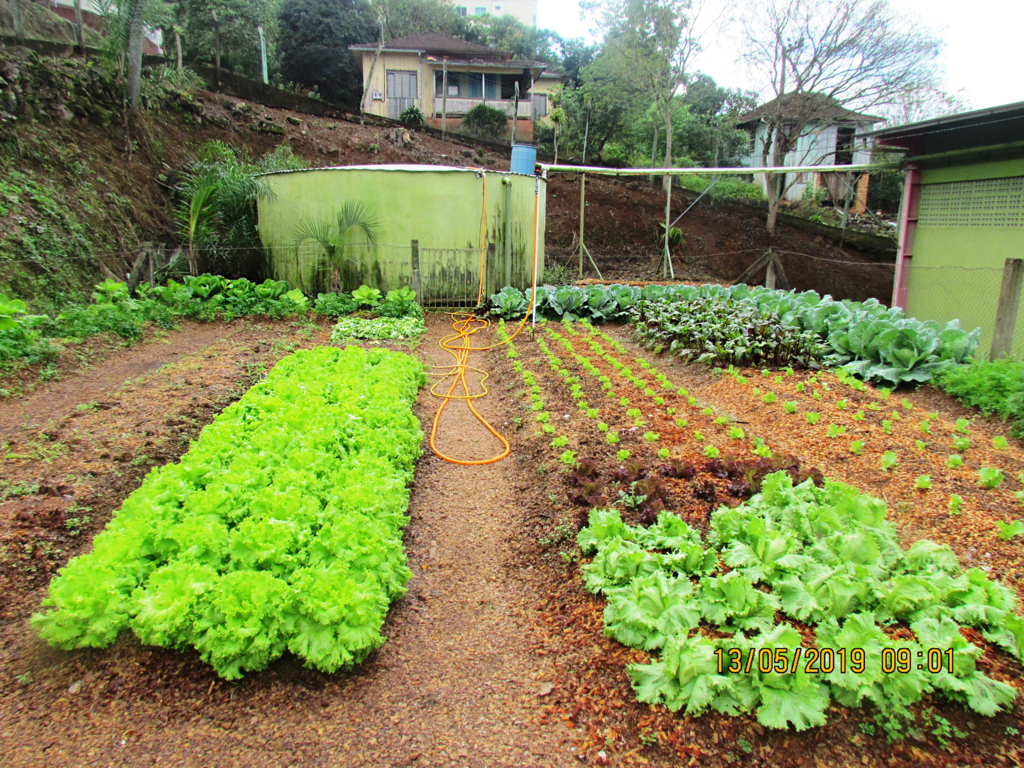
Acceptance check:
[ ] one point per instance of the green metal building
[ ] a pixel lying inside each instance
(962, 223)
(432, 228)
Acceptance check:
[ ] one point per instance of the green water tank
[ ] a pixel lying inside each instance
(388, 226)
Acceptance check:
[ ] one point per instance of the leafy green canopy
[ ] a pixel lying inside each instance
(281, 528)
(994, 386)
(825, 557)
(867, 339)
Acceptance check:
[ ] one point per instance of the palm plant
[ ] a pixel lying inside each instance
(333, 239)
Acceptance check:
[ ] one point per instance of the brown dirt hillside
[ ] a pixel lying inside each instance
(111, 184)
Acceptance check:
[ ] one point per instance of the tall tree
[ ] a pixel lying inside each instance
(649, 46)
(313, 40)
(240, 40)
(815, 55)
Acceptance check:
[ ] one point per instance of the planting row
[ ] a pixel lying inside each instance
(281, 528)
(26, 338)
(744, 325)
(884, 626)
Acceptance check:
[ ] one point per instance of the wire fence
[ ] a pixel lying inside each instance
(970, 295)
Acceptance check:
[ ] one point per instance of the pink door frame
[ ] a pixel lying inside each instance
(908, 225)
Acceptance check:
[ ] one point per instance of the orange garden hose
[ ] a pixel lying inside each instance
(464, 326)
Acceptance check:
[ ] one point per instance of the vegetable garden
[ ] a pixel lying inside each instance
(743, 534)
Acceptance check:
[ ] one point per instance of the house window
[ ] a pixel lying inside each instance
(844, 145)
(480, 11)
(753, 140)
(497, 10)
(461, 10)
(981, 203)
(454, 83)
(492, 87)
(476, 85)
(540, 104)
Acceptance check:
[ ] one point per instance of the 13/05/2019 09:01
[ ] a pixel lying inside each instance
(826, 660)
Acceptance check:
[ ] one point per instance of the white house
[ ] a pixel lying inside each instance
(833, 136)
(524, 10)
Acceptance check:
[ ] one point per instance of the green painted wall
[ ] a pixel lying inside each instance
(956, 272)
(441, 208)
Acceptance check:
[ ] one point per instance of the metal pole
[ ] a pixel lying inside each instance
(709, 188)
(586, 135)
(583, 216)
(536, 238)
(263, 54)
(729, 171)
(515, 113)
(444, 97)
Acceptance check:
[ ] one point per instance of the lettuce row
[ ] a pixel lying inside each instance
(825, 557)
(281, 528)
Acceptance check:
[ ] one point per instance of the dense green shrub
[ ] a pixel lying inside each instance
(994, 386)
(486, 122)
(334, 304)
(413, 116)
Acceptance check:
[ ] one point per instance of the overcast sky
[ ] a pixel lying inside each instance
(982, 55)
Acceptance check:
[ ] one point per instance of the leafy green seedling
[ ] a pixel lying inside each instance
(812, 380)
(800, 387)
(602, 427)
(923, 483)
(812, 417)
(789, 371)
(896, 416)
(990, 477)
(834, 430)
(612, 438)
(651, 437)
(765, 372)
(777, 379)
(692, 401)
(934, 416)
(873, 407)
(955, 460)
(887, 426)
(670, 411)
(543, 417)
(559, 441)
(592, 413)
(682, 423)
(633, 413)
(858, 416)
(763, 451)
(884, 393)
(906, 404)
(921, 445)
(962, 443)
(709, 411)
(623, 401)
(962, 426)
(955, 504)
(926, 427)
(856, 447)
(682, 392)
(664, 453)
(816, 395)
(569, 458)
(711, 452)
(889, 460)
(736, 433)
(756, 391)
(722, 420)
(547, 429)
(999, 443)
(769, 398)
(789, 406)
(622, 455)
(698, 436)
(659, 401)
(841, 405)
(1008, 530)
(741, 379)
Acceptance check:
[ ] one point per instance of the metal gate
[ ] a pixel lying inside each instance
(402, 92)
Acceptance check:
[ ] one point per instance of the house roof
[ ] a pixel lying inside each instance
(436, 43)
(967, 131)
(820, 105)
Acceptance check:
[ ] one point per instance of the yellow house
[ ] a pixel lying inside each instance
(446, 77)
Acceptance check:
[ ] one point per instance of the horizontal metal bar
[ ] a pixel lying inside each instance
(596, 170)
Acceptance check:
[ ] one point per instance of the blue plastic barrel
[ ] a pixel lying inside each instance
(524, 158)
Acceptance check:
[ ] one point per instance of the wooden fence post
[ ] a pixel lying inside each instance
(1009, 304)
(80, 31)
(416, 269)
(19, 30)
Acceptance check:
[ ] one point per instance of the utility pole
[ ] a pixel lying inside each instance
(78, 26)
(444, 97)
(216, 43)
(19, 30)
(263, 54)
